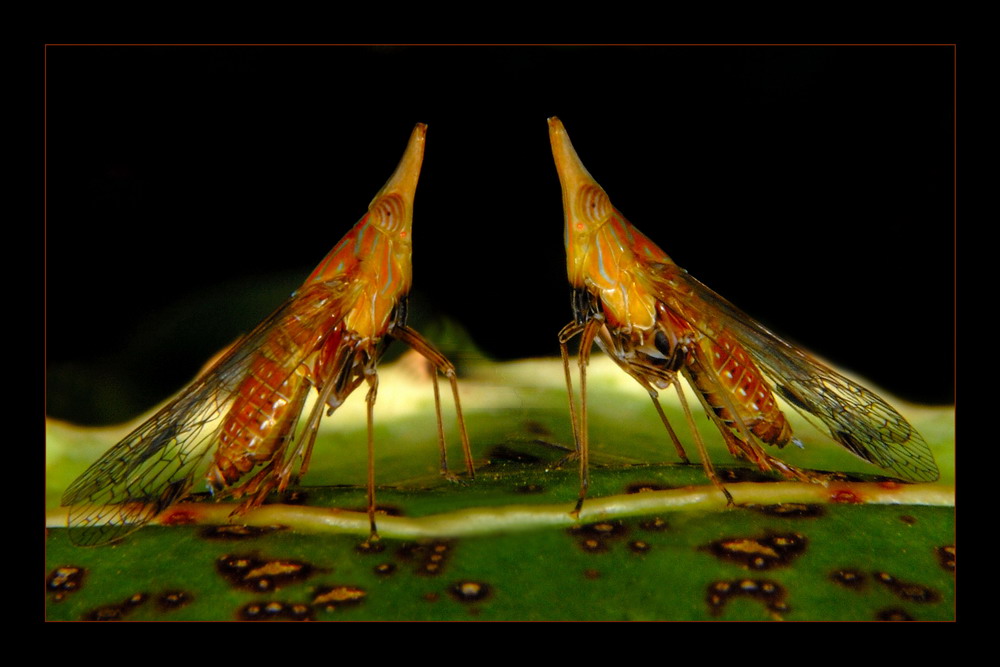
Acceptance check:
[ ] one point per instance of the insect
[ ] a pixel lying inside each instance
(656, 321)
(245, 409)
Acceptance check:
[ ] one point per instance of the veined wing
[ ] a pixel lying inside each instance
(155, 465)
(855, 417)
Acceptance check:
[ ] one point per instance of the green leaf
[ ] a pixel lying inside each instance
(654, 541)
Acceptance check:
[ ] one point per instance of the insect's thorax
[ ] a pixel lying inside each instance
(611, 267)
(377, 266)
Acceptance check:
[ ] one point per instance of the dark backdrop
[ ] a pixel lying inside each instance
(191, 188)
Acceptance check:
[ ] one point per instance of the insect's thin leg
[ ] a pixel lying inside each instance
(440, 425)
(565, 335)
(326, 386)
(466, 449)
(446, 368)
(268, 480)
(371, 375)
(670, 429)
(312, 428)
(586, 343)
(702, 450)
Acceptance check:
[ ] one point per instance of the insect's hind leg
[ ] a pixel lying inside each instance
(706, 462)
(441, 364)
(670, 429)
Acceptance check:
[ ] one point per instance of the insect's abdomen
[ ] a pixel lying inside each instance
(257, 422)
(264, 413)
(722, 365)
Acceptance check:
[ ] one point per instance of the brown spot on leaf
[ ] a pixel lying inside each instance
(428, 558)
(64, 580)
(789, 510)
(470, 591)
(112, 612)
(601, 529)
(237, 532)
(764, 590)
(116, 612)
(946, 557)
(656, 524)
(529, 489)
(639, 546)
(909, 591)
(760, 553)
(276, 610)
(339, 597)
(171, 600)
(370, 547)
(893, 614)
(908, 520)
(261, 575)
(594, 537)
(848, 578)
(385, 569)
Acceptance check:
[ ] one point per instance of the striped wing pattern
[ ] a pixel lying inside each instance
(855, 417)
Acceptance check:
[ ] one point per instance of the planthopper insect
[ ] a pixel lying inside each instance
(656, 321)
(245, 409)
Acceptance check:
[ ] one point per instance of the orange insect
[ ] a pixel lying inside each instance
(655, 321)
(329, 337)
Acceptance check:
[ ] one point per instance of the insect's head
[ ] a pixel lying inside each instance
(382, 238)
(586, 206)
(391, 210)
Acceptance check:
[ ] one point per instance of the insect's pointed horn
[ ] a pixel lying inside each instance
(572, 173)
(404, 180)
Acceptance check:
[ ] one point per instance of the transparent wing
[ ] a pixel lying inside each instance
(155, 465)
(855, 417)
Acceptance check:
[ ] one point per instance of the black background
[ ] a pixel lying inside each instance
(190, 189)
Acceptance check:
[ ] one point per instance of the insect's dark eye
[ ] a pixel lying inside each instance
(595, 203)
(387, 212)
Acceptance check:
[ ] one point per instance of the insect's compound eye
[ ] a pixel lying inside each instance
(594, 204)
(387, 213)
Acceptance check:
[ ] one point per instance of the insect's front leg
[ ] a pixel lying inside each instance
(588, 333)
(567, 333)
(441, 364)
(371, 377)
